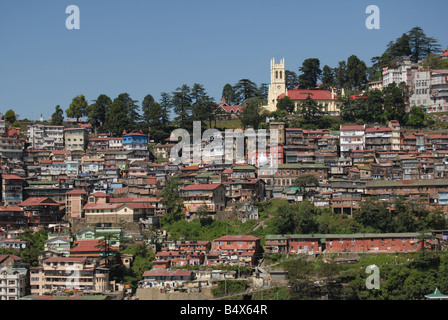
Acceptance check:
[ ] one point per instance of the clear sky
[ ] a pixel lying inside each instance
(145, 46)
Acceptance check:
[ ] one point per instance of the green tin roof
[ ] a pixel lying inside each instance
(436, 295)
(403, 183)
(248, 167)
(204, 175)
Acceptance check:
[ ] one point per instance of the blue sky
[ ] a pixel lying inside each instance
(145, 46)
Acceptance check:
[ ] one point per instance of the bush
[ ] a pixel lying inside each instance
(229, 287)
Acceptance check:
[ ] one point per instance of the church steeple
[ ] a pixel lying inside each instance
(278, 83)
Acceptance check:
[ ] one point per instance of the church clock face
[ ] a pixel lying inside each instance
(278, 87)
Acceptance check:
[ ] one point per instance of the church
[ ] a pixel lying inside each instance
(326, 99)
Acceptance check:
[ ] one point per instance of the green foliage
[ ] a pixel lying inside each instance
(10, 116)
(403, 276)
(416, 117)
(356, 73)
(97, 111)
(228, 93)
(252, 116)
(36, 240)
(116, 118)
(421, 45)
(291, 79)
(78, 108)
(304, 181)
(203, 106)
(263, 91)
(142, 261)
(229, 287)
(296, 218)
(286, 104)
(155, 117)
(245, 89)
(277, 293)
(433, 61)
(328, 78)
(377, 106)
(414, 44)
(57, 118)
(310, 73)
(196, 230)
(397, 216)
(310, 111)
(172, 201)
(122, 114)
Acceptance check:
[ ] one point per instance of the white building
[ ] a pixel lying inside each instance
(439, 90)
(46, 137)
(351, 138)
(429, 89)
(13, 283)
(420, 88)
(59, 274)
(398, 73)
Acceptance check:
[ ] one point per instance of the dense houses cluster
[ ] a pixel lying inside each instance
(429, 87)
(100, 182)
(79, 185)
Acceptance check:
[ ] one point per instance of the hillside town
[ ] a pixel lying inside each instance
(93, 193)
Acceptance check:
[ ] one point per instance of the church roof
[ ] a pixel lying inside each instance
(299, 94)
(234, 109)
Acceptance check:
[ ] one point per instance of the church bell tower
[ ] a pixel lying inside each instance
(278, 83)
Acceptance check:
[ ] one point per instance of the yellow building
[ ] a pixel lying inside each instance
(326, 99)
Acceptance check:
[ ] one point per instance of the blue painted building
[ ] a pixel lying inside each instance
(135, 141)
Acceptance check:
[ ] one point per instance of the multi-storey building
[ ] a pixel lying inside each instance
(211, 197)
(75, 201)
(116, 212)
(45, 137)
(431, 192)
(11, 146)
(395, 142)
(397, 72)
(166, 279)
(65, 273)
(135, 141)
(41, 212)
(13, 283)
(420, 88)
(76, 139)
(12, 217)
(12, 189)
(234, 250)
(285, 174)
(378, 138)
(430, 89)
(351, 138)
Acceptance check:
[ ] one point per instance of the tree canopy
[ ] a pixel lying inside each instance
(310, 73)
(57, 118)
(78, 108)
